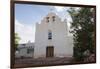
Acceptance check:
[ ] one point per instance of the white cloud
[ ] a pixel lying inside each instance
(25, 32)
(62, 12)
(59, 8)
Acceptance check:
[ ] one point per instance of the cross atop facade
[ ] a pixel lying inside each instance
(51, 9)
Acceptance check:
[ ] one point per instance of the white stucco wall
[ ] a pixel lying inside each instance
(62, 43)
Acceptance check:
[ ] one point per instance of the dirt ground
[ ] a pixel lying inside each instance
(27, 62)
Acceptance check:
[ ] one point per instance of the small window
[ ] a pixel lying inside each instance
(31, 50)
(50, 35)
(47, 19)
(53, 18)
(23, 44)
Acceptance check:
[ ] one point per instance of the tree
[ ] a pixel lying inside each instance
(83, 30)
(17, 39)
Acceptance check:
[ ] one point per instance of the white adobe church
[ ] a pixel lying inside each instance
(52, 39)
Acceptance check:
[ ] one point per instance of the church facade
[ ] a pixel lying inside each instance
(52, 39)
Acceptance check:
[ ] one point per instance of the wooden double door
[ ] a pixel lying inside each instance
(50, 51)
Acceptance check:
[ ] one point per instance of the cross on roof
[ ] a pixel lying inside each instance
(51, 9)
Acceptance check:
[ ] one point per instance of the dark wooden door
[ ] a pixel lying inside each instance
(50, 51)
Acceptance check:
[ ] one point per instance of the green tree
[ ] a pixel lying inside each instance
(17, 39)
(83, 30)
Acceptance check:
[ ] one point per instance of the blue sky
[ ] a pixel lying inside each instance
(26, 16)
